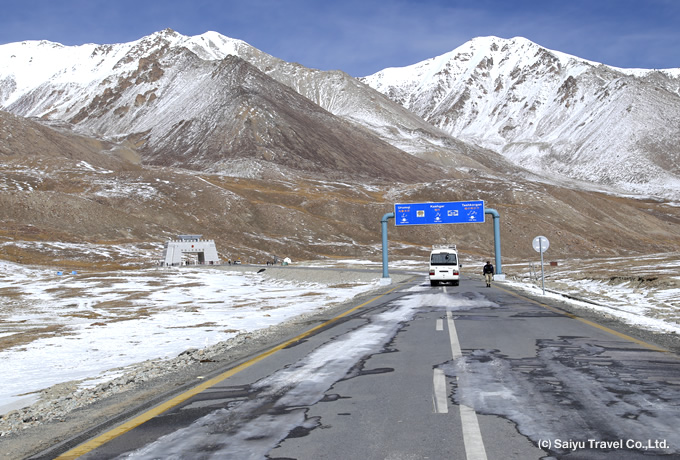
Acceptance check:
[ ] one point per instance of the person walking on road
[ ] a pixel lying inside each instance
(488, 273)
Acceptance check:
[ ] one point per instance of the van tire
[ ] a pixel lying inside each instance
(434, 283)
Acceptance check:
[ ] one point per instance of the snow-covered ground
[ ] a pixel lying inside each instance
(640, 290)
(89, 326)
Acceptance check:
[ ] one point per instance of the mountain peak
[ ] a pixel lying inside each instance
(168, 31)
(542, 109)
(193, 102)
(548, 111)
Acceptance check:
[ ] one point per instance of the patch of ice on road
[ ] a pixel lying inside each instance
(565, 392)
(243, 432)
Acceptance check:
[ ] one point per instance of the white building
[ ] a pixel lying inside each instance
(193, 248)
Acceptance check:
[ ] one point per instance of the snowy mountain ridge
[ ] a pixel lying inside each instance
(546, 111)
(168, 84)
(181, 109)
(34, 62)
(71, 74)
(169, 134)
(550, 112)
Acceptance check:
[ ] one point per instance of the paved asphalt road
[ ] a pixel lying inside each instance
(422, 372)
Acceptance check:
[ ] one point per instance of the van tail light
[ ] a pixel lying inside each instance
(455, 272)
(431, 272)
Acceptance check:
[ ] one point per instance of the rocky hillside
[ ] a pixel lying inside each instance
(106, 151)
(210, 115)
(165, 91)
(550, 112)
(85, 205)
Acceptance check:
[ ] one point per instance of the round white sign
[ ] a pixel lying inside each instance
(541, 244)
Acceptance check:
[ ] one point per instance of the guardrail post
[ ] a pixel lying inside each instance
(386, 277)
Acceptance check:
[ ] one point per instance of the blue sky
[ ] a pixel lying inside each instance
(364, 36)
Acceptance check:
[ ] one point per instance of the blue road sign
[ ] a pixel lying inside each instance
(454, 212)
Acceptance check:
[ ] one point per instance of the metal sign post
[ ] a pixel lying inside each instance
(386, 276)
(541, 244)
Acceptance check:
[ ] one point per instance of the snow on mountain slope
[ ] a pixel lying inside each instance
(543, 110)
(183, 103)
(550, 112)
(51, 81)
(180, 103)
(29, 65)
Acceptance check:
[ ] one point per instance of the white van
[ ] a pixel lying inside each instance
(444, 266)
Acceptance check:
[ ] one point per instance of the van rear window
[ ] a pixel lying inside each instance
(443, 258)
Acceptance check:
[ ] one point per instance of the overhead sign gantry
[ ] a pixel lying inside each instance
(452, 212)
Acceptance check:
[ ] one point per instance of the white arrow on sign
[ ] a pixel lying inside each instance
(541, 244)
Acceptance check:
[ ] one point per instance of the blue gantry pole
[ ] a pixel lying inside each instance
(389, 215)
(496, 238)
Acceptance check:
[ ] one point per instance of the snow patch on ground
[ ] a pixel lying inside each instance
(643, 291)
(90, 327)
(79, 326)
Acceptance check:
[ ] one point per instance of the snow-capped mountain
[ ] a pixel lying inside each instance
(30, 67)
(183, 103)
(550, 112)
(165, 85)
(212, 116)
(542, 110)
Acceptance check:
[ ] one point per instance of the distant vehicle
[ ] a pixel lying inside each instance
(444, 266)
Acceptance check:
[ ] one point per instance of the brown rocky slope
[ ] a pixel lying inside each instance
(44, 200)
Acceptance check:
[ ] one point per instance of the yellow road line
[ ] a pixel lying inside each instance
(102, 439)
(589, 323)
